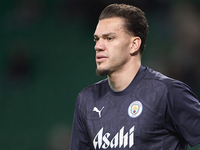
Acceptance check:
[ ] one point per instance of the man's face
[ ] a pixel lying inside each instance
(112, 47)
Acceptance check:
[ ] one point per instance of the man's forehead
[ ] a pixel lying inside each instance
(109, 26)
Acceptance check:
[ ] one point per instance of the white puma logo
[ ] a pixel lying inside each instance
(98, 111)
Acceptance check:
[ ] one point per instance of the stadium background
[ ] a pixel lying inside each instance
(47, 57)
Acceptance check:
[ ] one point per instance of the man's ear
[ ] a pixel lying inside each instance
(135, 45)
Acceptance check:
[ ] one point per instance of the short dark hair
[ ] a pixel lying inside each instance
(135, 20)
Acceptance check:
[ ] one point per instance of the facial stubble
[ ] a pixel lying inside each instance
(102, 73)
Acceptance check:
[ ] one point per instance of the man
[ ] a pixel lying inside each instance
(135, 107)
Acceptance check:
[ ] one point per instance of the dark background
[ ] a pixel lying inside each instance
(47, 56)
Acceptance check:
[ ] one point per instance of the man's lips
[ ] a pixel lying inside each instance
(100, 58)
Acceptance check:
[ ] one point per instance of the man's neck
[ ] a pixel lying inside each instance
(118, 81)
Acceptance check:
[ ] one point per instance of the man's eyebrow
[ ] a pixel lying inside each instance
(107, 34)
(104, 35)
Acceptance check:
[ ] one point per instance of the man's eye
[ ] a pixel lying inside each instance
(96, 39)
(110, 38)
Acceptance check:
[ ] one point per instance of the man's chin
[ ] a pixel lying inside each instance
(102, 73)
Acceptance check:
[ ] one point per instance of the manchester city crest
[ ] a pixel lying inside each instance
(135, 109)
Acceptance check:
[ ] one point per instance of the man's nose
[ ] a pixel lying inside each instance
(100, 45)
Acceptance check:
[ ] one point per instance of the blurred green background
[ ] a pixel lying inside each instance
(47, 57)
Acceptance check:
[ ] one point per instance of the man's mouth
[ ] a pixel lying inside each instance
(100, 58)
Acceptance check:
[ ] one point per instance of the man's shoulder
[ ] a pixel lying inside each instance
(96, 85)
(89, 95)
(165, 80)
(95, 88)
